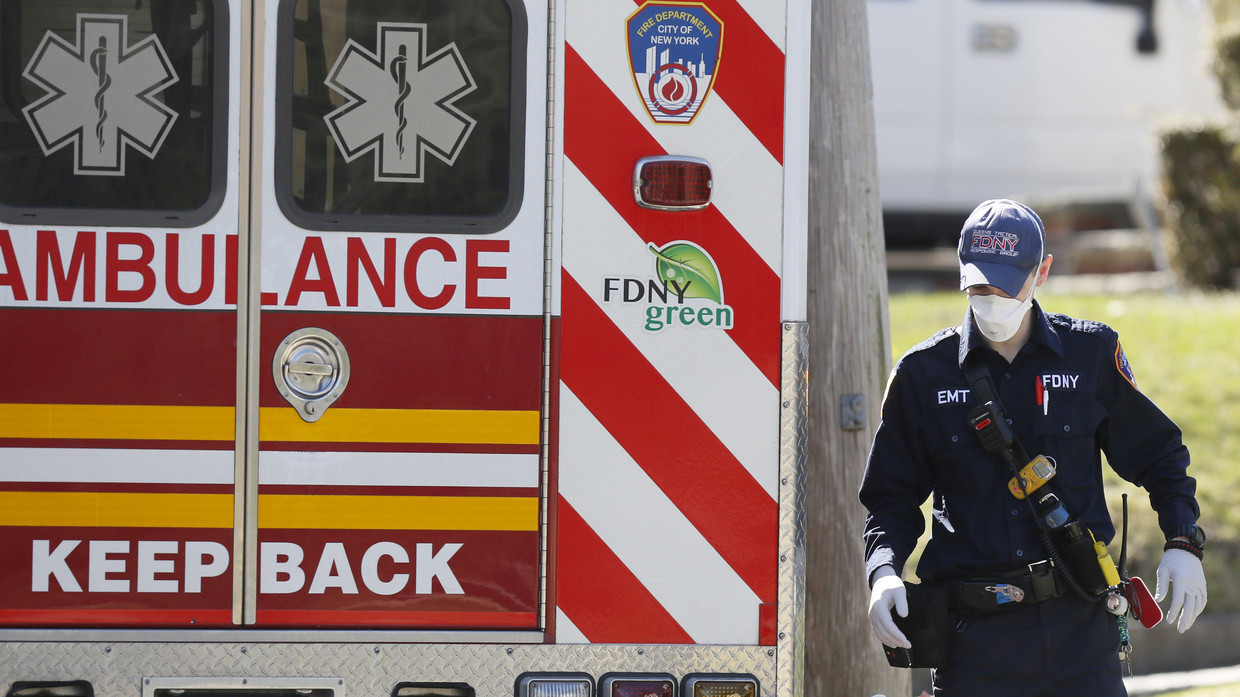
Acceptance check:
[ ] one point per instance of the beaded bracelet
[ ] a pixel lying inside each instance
(1185, 545)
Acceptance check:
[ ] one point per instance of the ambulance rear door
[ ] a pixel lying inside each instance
(272, 296)
(399, 248)
(118, 267)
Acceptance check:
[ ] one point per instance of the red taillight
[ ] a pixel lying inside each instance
(672, 183)
(637, 686)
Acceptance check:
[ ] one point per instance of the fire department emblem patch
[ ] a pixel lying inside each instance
(1123, 366)
(674, 51)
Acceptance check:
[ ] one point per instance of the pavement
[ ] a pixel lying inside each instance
(1159, 683)
(1143, 685)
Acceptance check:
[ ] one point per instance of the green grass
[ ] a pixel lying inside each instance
(1183, 350)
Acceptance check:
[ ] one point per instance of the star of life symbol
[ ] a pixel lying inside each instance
(401, 102)
(100, 95)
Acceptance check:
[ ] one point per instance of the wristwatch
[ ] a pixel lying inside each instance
(1188, 537)
(1192, 531)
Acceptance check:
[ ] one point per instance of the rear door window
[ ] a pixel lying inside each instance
(397, 115)
(112, 114)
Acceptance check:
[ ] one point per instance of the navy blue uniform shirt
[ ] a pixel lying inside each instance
(1069, 394)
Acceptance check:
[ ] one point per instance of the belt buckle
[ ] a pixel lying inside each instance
(1043, 581)
(1041, 568)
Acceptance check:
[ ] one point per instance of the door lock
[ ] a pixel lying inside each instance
(311, 370)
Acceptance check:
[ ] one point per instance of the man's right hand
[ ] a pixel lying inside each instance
(888, 592)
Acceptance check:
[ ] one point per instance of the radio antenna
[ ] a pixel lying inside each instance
(1123, 545)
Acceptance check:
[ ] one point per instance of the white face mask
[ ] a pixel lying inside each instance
(998, 317)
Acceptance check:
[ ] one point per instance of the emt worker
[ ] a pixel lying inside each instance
(1026, 613)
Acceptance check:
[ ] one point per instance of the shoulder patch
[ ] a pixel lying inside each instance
(1123, 366)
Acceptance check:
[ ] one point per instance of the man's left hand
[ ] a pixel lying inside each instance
(1187, 580)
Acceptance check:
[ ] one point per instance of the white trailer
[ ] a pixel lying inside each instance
(978, 99)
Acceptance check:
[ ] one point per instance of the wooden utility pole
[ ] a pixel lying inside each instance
(849, 356)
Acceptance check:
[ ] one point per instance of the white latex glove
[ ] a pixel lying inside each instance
(1183, 572)
(888, 592)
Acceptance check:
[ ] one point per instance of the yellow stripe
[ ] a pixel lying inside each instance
(115, 421)
(136, 422)
(398, 512)
(286, 511)
(115, 510)
(402, 426)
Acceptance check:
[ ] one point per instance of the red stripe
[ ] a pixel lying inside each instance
(768, 623)
(437, 620)
(594, 116)
(21, 604)
(116, 618)
(498, 572)
(119, 487)
(188, 358)
(553, 476)
(93, 443)
(363, 490)
(669, 441)
(314, 447)
(423, 361)
(119, 357)
(750, 74)
(599, 593)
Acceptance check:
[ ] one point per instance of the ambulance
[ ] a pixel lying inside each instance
(402, 348)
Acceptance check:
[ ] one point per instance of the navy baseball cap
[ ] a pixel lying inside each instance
(1000, 244)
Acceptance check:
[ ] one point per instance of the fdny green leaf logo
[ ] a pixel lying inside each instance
(690, 268)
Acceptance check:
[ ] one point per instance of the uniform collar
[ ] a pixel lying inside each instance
(1042, 333)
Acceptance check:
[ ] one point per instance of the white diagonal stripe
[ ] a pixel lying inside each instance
(733, 398)
(651, 537)
(769, 16)
(747, 178)
(566, 632)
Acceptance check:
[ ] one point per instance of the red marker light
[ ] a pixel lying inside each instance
(637, 686)
(672, 183)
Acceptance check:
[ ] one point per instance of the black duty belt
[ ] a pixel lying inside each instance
(1036, 583)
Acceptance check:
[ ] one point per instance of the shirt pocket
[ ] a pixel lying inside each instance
(1067, 433)
(958, 462)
